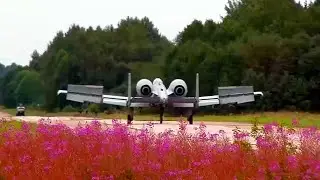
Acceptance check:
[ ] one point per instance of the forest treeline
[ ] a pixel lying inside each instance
(270, 44)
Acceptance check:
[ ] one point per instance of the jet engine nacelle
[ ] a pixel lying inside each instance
(144, 87)
(178, 87)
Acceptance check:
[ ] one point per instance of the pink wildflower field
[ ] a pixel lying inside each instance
(97, 151)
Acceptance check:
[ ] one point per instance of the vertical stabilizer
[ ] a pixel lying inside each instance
(129, 90)
(197, 89)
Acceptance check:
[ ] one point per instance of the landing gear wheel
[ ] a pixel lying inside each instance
(130, 116)
(130, 119)
(161, 114)
(20, 114)
(190, 117)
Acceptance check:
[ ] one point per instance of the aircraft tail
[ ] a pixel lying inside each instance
(129, 90)
(197, 90)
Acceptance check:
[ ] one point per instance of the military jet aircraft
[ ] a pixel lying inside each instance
(155, 94)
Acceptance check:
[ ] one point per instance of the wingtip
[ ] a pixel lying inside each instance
(258, 93)
(61, 92)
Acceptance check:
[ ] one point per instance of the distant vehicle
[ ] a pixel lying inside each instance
(155, 94)
(20, 110)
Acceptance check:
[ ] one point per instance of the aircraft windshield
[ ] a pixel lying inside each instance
(157, 81)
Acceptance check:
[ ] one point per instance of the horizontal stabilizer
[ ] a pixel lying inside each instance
(85, 93)
(182, 102)
(235, 94)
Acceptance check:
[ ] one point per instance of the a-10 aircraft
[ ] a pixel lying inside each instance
(155, 94)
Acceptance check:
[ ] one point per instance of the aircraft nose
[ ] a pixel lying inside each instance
(163, 100)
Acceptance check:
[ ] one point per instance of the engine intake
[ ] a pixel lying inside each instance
(144, 87)
(178, 87)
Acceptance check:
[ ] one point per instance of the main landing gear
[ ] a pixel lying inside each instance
(190, 113)
(131, 111)
(190, 116)
(130, 116)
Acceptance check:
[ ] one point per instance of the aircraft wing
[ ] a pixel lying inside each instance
(226, 95)
(94, 94)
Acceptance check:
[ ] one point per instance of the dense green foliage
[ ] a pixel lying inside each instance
(22, 85)
(270, 44)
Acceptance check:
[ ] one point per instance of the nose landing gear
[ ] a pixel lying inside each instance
(161, 113)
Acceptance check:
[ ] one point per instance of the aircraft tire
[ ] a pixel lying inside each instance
(190, 116)
(18, 114)
(161, 114)
(130, 119)
(130, 116)
(190, 119)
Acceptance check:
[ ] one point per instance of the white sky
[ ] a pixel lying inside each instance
(27, 25)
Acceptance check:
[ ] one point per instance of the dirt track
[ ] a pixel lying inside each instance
(4, 115)
(211, 127)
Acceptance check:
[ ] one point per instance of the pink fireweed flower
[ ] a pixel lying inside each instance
(3, 120)
(8, 168)
(100, 151)
(241, 136)
(202, 125)
(292, 162)
(222, 131)
(268, 128)
(25, 126)
(182, 125)
(295, 122)
(25, 158)
(274, 167)
(150, 125)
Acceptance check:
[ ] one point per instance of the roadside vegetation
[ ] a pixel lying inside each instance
(96, 151)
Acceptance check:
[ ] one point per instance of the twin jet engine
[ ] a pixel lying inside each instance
(146, 88)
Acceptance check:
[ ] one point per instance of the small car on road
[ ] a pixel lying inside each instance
(20, 110)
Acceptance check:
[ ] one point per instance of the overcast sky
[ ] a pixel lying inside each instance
(27, 25)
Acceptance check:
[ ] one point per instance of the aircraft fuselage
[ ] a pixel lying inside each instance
(160, 90)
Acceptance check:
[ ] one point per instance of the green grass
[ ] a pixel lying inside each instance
(285, 118)
(36, 112)
(4, 126)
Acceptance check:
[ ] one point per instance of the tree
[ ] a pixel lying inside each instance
(29, 89)
(101, 56)
(34, 63)
(2, 69)
(270, 44)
